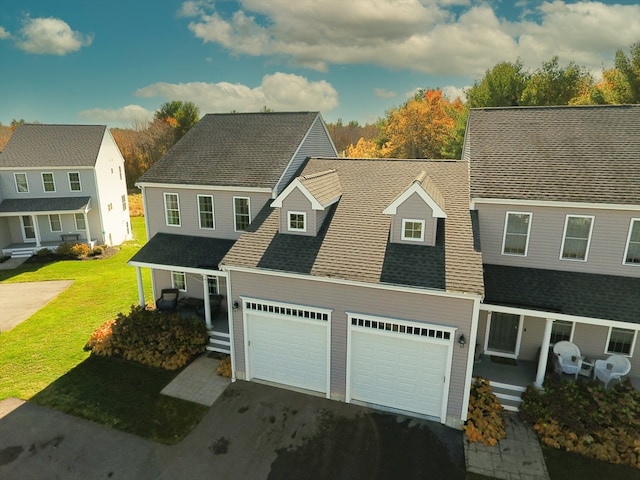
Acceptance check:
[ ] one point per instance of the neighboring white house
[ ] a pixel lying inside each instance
(61, 182)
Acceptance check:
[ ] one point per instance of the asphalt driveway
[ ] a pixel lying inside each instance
(252, 431)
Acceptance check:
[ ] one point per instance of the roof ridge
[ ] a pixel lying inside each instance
(317, 175)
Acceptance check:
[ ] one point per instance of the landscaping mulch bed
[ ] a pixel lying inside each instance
(40, 259)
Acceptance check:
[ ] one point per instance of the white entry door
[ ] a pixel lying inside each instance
(398, 365)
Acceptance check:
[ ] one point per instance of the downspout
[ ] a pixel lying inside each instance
(230, 314)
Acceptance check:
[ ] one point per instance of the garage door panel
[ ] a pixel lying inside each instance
(287, 351)
(399, 372)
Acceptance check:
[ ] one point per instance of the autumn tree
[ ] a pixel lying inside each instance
(555, 85)
(629, 71)
(181, 116)
(347, 135)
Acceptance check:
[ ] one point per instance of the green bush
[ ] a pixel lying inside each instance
(164, 340)
(64, 249)
(584, 418)
(44, 252)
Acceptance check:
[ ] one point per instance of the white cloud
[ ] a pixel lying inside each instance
(50, 36)
(279, 92)
(4, 34)
(130, 115)
(383, 93)
(431, 36)
(452, 92)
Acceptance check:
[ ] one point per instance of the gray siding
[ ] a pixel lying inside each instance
(316, 144)
(414, 208)
(61, 180)
(297, 202)
(608, 239)
(189, 218)
(356, 299)
(5, 232)
(195, 288)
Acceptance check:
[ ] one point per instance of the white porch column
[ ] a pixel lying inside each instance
(36, 230)
(140, 287)
(544, 353)
(207, 303)
(86, 226)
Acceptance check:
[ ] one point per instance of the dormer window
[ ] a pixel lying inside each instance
(297, 222)
(413, 230)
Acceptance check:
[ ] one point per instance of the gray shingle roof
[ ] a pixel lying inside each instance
(49, 204)
(568, 153)
(584, 294)
(53, 146)
(235, 149)
(324, 186)
(353, 242)
(183, 251)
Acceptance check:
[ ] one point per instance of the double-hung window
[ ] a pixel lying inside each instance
(632, 252)
(297, 222)
(179, 281)
(172, 209)
(621, 341)
(80, 224)
(123, 198)
(74, 182)
(22, 185)
(48, 183)
(576, 237)
(517, 226)
(205, 212)
(561, 331)
(55, 223)
(212, 285)
(241, 213)
(412, 230)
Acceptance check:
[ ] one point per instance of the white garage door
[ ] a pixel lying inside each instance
(287, 344)
(400, 365)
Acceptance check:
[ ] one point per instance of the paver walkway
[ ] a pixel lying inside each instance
(199, 382)
(516, 457)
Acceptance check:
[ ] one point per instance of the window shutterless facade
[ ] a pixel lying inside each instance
(412, 230)
(621, 341)
(576, 237)
(632, 251)
(172, 209)
(22, 185)
(74, 182)
(48, 183)
(241, 213)
(179, 281)
(80, 224)
(297, 222)
(205, 212)
(55, 223)
(517, 226)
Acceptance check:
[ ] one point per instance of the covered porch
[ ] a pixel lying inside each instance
(37, 223)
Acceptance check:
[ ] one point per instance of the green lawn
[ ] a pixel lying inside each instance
(49, 344)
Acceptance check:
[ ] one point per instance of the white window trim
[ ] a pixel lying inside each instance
(628, 244)
(213, 214)
(564, 237)
(573, 328)
(123, 198)
(304, 221)
(235, 223)
(217, 289)
(26, 180)
(70, 182)
(184, 277)
(53, 180)
(411, 239)
(75, 219)
(504, 233)
(166, 210)
(51, 223)
(633, 342)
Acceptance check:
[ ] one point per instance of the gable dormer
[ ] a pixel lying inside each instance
(415, 213)
(304, 204)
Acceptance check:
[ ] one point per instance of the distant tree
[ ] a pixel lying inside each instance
(555, 85)
(501, 86)
(181, 116)
(629, 68)
(16, 123)
(345, 136)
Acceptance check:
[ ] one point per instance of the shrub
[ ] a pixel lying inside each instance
(155, 339)
(484, 419)
(97, 250)
(224, 367)
(64, 249)
(584, 418)
(80, 250)
(44, 252)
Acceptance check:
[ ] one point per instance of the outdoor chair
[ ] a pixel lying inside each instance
(168, 300)
(616, 366)
(567, 358)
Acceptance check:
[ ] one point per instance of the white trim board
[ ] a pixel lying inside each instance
(544, 203)
(204, 187)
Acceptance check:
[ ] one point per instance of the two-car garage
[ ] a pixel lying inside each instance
(394, 364)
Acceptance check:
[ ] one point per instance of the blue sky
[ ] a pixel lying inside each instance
(114, 63)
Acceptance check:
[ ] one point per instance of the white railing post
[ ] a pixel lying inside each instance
(544, 353)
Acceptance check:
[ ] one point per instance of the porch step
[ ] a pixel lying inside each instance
(509, 396)
(219, 342)
(21, 252)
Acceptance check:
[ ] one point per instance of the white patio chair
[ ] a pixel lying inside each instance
(568, 358)
(616, 366)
